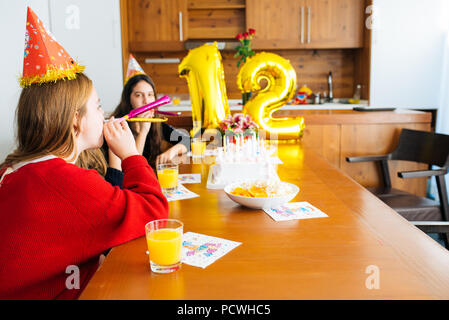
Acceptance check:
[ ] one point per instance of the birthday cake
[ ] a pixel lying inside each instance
(241, 161)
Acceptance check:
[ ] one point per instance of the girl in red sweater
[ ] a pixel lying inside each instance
(57, 218)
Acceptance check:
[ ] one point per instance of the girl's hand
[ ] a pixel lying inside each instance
(143, 127)
(165, 157)
(171, 153)
(119, 138)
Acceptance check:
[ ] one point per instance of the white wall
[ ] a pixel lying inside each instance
(407, 54)
(12, 26)
(88, 30)
(410, 58)
(95, 40)
(442, 125)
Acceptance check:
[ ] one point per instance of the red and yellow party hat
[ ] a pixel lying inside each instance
(134, 68)
(45, 60)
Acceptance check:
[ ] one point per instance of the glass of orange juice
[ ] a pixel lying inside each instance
(167, 175)
(164, 239)
(198, 147)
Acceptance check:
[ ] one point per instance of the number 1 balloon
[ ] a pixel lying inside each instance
(203, 69)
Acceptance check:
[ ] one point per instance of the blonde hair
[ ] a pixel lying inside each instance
(92, 159)
(45, 117)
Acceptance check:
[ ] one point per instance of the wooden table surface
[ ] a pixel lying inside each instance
(324, 258)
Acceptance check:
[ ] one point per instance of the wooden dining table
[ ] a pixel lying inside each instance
(362, 250)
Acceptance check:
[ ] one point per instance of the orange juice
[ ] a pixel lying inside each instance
(168, 178)
(164, 246)
(198, 147)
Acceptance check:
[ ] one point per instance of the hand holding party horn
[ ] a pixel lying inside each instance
(155, 119)
(147, 120)
(164, 100)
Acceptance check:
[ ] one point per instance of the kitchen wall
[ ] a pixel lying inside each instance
(312, 68)
(12, 24)
(408, 39)
(410, 58)
(93, 39)
(442, 124)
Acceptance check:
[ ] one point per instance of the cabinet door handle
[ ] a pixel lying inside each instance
(302, 24)
(308, 24)
(180, 26)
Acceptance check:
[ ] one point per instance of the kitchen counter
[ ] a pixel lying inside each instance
(235, 105)
(322, 116)
(339, 133)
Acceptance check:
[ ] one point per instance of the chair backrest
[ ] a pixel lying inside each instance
(421, 146)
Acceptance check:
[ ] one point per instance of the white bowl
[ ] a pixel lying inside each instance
(260, 203)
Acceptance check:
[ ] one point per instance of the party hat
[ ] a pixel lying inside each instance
(45, 60)
(133, 68)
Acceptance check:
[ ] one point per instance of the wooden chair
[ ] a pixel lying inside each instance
(423, 147)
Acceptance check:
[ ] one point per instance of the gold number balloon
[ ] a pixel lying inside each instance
(203, 69)
(281, 86)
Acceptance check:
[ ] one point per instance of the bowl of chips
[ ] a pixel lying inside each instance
(259, 194)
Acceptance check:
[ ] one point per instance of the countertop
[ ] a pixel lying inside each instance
(327, 116)
(235, 105)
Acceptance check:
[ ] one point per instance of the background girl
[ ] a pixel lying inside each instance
(140, 90)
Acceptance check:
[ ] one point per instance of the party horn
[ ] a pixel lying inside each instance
(147, 120)
(140, 120)
(155, 104)
(168, 113)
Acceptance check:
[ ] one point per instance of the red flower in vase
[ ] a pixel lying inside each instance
(244, 49)
(239, 37)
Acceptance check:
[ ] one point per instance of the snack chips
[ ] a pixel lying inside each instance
(262, 189)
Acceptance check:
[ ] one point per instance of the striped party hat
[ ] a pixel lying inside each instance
(134, 68)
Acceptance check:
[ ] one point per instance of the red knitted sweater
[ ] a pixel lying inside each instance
(54, 215)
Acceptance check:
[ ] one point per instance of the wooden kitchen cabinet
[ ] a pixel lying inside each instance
(334, 23)
(164, 25)
(156, 25)
(277, 23)
(215, 19)
(306, 24)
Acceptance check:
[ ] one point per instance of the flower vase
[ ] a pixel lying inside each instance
(245, 97)
(232, 137)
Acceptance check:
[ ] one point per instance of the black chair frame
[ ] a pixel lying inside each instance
(423, 147)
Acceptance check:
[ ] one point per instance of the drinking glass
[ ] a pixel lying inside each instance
(167, 175)
(164, 239)
(198, 147)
